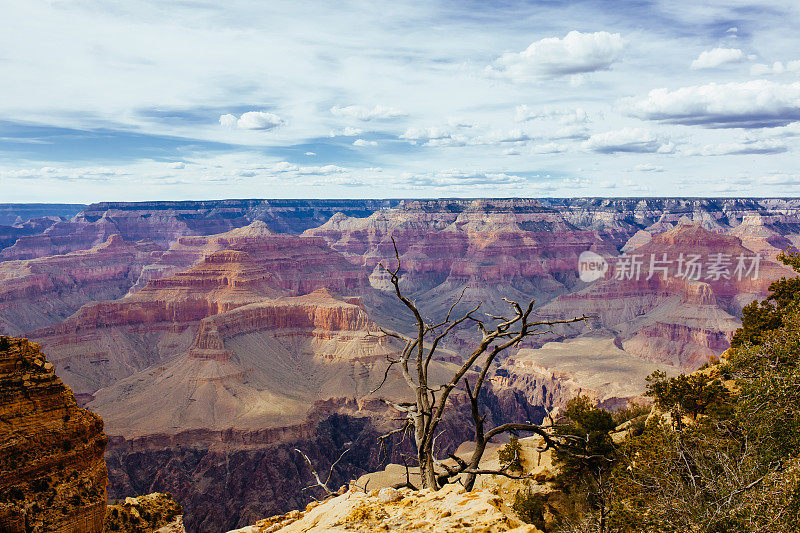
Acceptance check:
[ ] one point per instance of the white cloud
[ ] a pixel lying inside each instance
(576, 53)
(779, 178)
(549, 148)
(575, 132)
(310, 153)
(427, 133)
(515, 135)
(364, 142)
(78, 174)
(365, 113)
(717, 57)
(252, 120)
(445, 136)
(633, 140)
(769, 146)
(347, 131)
(177, 165)
(778, 67)
(757, 103)
(456, 178)
(790, 130)
(285, 167)
(578, 115)
(342, 181)
(647, 167)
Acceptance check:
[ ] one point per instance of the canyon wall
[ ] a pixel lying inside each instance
(52, 472)
(40, 292)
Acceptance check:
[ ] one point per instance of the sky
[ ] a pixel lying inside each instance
(169, 100)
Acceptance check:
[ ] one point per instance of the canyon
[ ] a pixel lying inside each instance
(215, 337)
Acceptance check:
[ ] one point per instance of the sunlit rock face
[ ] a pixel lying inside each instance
(109, 340)
(52, 472)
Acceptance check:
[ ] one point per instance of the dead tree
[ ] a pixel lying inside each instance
(318, 481)
(423, 415)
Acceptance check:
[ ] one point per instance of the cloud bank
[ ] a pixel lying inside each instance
(751, 104)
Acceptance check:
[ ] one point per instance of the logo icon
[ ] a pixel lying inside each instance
(591, 266)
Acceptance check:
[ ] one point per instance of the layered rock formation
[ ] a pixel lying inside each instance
(514, 249)
(664, 311)
(109, 340)
(259, 366)
(529, 248)
(52, 472)
(39, 292)
(165, 222)
(213, 359)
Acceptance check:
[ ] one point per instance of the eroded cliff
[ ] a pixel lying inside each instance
(52, 471)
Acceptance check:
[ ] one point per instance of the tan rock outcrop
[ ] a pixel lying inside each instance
(52, 472)
(156, 512)
(488, 508)
(387, 510)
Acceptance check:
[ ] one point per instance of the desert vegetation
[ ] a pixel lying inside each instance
(718, 453)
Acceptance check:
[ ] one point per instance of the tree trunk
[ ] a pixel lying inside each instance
(602, 502)
(475, 462)
(426, 468)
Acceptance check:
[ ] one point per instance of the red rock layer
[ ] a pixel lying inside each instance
(318, 315)
(667, 318)
(39, 292)
(52, 472)
(108, 340)
(251, 269)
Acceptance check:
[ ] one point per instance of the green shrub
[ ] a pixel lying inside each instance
(694, 394)
(510, 455)
(529, 507)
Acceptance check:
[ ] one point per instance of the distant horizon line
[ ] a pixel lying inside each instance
(402, 199)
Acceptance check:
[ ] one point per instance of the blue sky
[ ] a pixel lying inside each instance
(192, 99)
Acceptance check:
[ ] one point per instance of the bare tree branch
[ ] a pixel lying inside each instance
(319, 483)
(425, 413)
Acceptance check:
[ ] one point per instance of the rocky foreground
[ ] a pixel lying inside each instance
(370, 504)
(52, 470)
(448, 509)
